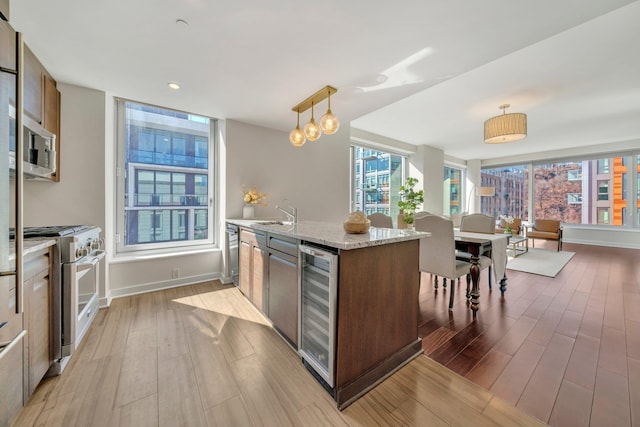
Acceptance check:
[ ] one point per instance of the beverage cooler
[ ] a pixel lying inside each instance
(318, 286)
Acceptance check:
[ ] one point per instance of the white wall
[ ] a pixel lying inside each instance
(314, 177)
(78, 198)
(426, 165)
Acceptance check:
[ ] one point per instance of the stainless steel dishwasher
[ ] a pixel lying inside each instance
(231, 264)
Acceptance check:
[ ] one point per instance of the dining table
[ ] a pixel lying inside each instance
(492, 245)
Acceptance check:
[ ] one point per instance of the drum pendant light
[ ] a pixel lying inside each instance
(506, 127)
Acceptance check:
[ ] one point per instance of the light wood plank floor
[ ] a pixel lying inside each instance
(202, 355)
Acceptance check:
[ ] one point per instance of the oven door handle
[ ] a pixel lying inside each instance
(91, 263)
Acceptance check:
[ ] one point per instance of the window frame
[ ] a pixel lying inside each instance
(358, 195)
(122, 171)
(632, 193)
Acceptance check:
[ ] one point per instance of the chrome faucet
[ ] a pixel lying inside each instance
(293, 215)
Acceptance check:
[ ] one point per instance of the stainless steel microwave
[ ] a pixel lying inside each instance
(39, 159)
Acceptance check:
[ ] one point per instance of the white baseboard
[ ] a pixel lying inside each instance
(157, 286)
(601, 243)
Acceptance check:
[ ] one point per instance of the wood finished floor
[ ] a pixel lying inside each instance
(565, 350)
(201, 355)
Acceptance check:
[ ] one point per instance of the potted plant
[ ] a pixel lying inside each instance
(409, 201)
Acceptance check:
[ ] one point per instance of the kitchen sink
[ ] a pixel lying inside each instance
(275, 222)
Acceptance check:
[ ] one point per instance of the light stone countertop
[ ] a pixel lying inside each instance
(332, 234)
(31, 246)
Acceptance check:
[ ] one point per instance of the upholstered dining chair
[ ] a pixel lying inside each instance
(421, 214)
(438, 252)
(478, 223)
(378, 219)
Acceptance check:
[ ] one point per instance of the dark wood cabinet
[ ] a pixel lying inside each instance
(252, 266)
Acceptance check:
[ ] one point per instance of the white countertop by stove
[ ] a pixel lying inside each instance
(332, 234)
(30, 246)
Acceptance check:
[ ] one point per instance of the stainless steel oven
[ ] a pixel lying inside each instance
(80, 288)
(78, 258)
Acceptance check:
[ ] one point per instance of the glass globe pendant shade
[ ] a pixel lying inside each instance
(296, 137)
(329, 123)
(311, 129)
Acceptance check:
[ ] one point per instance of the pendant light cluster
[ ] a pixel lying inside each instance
(329, 123)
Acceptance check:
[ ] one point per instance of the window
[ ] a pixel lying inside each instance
(574, 174)
(603, 189)
(511, 186)
(603, 215)
(600, 198)
(574, 198)
(164, 178)
(453, 194)
(377, 177)
(603, 166)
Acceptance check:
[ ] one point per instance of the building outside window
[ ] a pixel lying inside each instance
(599, 198)
(453, 193)
(377, 178)
(164, 175)
(511, 185)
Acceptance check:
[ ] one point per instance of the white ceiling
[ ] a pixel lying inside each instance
(422, 72)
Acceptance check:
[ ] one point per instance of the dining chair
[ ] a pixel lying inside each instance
(421, 214)
(478, 223)
(438, 252)
(378, 219)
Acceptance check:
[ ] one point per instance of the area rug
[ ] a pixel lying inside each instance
(543, 262)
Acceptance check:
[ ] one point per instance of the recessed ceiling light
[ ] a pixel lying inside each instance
(174, 86)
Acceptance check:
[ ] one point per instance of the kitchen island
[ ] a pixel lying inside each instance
(376, 296)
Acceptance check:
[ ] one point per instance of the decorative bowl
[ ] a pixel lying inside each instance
(356, 227)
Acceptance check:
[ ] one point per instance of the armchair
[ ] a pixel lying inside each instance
(546, 229)
(516, 226)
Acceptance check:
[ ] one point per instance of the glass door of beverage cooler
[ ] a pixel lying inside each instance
(318, 283)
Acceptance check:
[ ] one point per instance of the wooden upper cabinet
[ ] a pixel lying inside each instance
(4, 9)
(42, 100)
(51, 116)
(33, 92)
